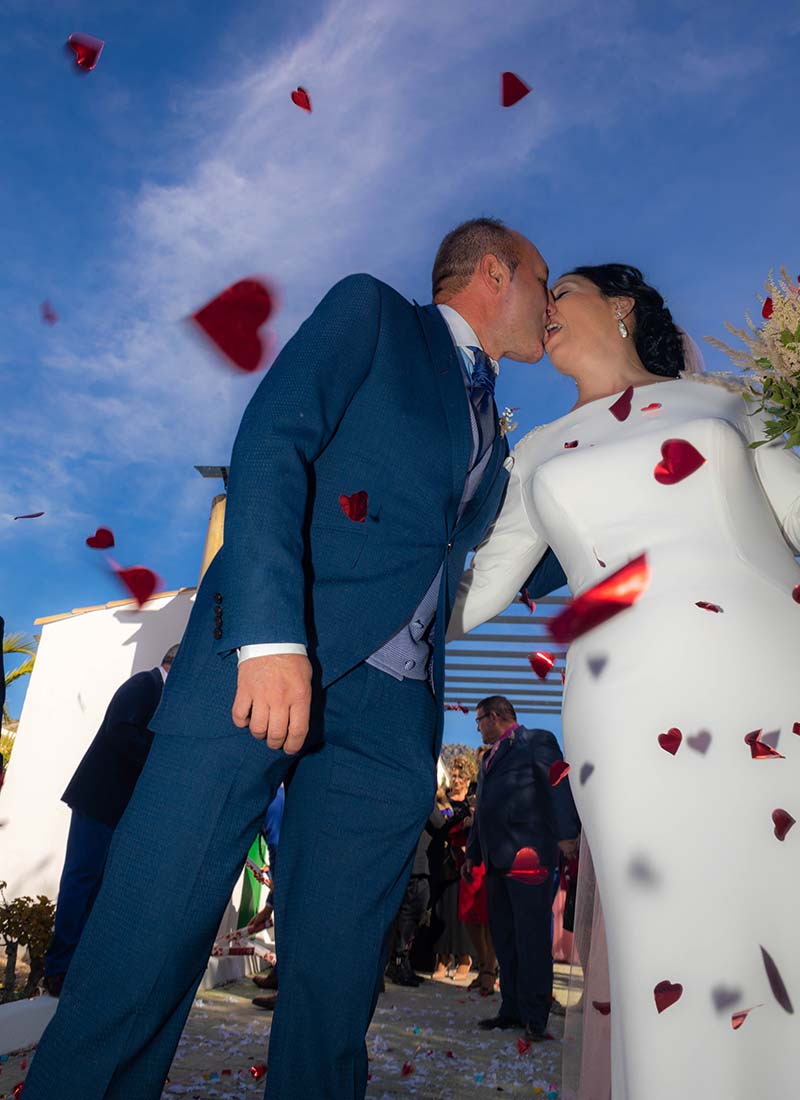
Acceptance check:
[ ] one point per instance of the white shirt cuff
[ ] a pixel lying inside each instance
(268, 649)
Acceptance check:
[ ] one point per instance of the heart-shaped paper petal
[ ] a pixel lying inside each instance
(796, 728)
(723, 997)
(621, 408)
(302, 99)
(700, 742)
(355, 506)
(525, 597)
(87, 50)
(767, 309)
(258, 1071)
(232, 320)
(30, 515)
(666, 994)
(523, 1045)
(139, 581)
(102, 539)
(603, 1007)
(407, 1069)
(776, 983)
(617, 592)
(738, 1018)
(528, 868)
(559, 770)
(679, 459)
(542, 663)
(709, 606)
(49, 315)
(571, 445)
(512, 89)
(585, 772)
(759, 750)
(796, 593)
(671, 740)
(783, 821)
(652, 407)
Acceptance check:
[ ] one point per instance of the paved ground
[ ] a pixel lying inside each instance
(423, 1043)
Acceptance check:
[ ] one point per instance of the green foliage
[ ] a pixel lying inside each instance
(25, 922)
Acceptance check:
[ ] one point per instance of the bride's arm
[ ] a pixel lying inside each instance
(779, 472)
(501, 565)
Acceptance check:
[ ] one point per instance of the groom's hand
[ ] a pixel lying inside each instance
(273, 698)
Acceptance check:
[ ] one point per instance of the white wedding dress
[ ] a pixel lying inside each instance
(694, 881)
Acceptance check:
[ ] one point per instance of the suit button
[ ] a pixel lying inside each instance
(218, 633)
(217, 597)
(409, 665)
(217, 612)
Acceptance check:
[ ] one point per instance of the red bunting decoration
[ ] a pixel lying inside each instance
(407, 1070)
(49, 315)
(759, 750)
(571, 445)
(621, 408)
(140, 582)
(87, 50)
(542, 663)
(355, 506)
(671, 740)
(527, 867)
(666, 994)
(232, 320)
(512, 89)
(302, 99)
(617, 592)
(30, 515)
(102, 539)
(603, 1007)
(652, 407)
(525, 598)
(679, 459)
(709, 606)
(258, 1071)
(767, 309)
(783, 821)
(456, 706)
(559, 770)
(776, 983)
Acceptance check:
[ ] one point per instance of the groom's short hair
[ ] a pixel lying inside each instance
(463, 249)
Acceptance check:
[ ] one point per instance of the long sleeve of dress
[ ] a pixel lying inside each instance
(779, 472)
(502, 563)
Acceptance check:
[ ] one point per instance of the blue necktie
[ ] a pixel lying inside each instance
(481, 396)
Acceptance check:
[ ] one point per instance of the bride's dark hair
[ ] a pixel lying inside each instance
(656, 336)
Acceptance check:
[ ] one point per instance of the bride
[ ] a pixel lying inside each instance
(681, 713)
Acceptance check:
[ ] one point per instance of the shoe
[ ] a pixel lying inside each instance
(534, 1035)
(267, 981)
(502, 1022)
(267, 1003)
(557, 1009)
(53, 983)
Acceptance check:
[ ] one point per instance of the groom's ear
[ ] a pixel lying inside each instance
(492, 272)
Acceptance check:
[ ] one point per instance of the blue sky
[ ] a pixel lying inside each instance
(661, 135)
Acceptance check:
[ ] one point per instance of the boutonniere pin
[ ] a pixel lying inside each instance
(507, 422)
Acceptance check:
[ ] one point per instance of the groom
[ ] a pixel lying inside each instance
(367, 464)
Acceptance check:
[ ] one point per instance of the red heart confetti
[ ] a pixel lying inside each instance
(542, 663)
(407, 1069)
(709, 606)
(302, 99)
(512, 89)
(525, 597)
(679, 459)
(796, 728)
(87, 50)
(652, 407)
(528, 868)
(258, 1071)
(450, 1054)
(617, 592)
(603, 1007)
(559, 770)
(571, 445)
(523, 1045)
(49, 315)
(776, 983)
(699, 741)
(666, 994)
(738, 1018)
(355, 506)
(796, 593)
(139, 581)
(758, 749)
(17, 1091)
(232, 320)
(767, 309)
(621, 408)
(586, 771)
(783, 822)
(671, 740)
(30, 515)
(102, 539)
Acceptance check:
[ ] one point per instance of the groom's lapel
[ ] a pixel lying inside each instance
(450, 380)
(493, 468)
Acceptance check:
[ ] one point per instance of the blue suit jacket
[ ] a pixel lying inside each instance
(516, 805)
(368, 396)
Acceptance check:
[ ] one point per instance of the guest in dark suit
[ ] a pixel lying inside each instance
(518, 808)
(97, 794)
(367, 464)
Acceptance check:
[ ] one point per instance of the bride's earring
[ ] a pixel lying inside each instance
(623, 328)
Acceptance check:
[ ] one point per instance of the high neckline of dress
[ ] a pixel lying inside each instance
(610, 398)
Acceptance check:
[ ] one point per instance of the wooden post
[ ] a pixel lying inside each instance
(214, 535)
